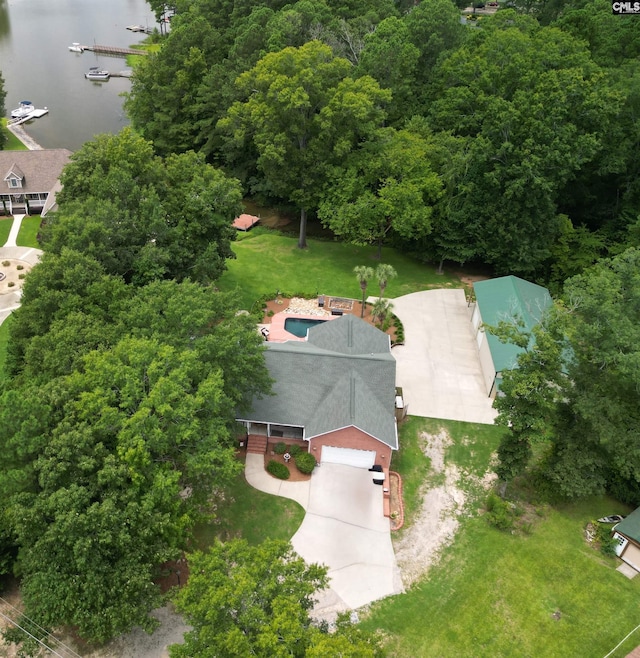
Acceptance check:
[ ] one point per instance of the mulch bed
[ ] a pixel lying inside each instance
(396, 508)
(295, 475)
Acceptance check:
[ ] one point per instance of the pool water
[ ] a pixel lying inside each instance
(299, 326)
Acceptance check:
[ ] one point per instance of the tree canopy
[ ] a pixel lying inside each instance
(142, 217)
(576, 389)
(301, 114)
(255, 601)
(530, 120)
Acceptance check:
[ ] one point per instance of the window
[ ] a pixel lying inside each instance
(15, 182)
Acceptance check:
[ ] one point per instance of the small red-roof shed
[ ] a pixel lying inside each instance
(245, 222)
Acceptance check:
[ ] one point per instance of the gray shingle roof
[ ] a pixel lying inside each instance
(344, 375)
(40, 169)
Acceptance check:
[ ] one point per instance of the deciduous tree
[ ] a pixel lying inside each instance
(386, 187)
(301, 112)
(255, 601)
(142, 217)
(577, 389)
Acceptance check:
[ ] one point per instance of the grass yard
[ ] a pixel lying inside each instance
(12, 143)
(4, 339)
(28, 235)
(545, 593)
(267, 261)
(471, 450)
(252, 515)
(5, 229)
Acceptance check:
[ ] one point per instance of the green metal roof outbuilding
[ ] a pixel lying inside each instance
(504, 299)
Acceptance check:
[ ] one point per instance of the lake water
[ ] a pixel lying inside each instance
(37, 65)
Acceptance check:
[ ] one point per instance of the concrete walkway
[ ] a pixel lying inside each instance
(15, 229)
(438, 367)
(259, 479)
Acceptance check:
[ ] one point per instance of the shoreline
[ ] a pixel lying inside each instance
(28, 141)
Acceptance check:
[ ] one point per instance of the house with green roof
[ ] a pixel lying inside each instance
(333, 394)
(627, 535)
(505, 299)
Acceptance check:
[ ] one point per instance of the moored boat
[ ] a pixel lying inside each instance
(95, 73)
(76, 48)
(25, 109)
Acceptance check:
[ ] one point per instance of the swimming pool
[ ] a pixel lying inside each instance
(299, 326)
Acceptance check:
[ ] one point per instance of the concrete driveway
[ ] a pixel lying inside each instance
(438, 367)
(344, 528)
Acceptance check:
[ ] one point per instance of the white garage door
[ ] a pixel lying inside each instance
(632, 556)
(349, 457)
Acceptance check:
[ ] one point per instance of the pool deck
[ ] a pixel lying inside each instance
(277, 332)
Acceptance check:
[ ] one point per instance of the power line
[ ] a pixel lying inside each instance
(50, 638)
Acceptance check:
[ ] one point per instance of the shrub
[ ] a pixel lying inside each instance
(280, 448)
(11, 284)
(500, 513)
(604, 537)
(305, 462)
(19, 267)
(21, 276)
(6, 263)
(295, 450)
(278, 470)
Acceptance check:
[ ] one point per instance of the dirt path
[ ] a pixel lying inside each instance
(436, 524)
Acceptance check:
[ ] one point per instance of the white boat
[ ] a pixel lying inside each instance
(76, 48)
(25, 109)
(95, 73)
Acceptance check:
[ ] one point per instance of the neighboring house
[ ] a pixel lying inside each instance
(507, 299)
(334, 394)
(31, 180)
(627, 535)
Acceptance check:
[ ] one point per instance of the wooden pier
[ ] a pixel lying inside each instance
(114, 50)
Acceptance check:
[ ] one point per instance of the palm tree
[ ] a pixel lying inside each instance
(384, 273)
(364, 274)
(380, 311)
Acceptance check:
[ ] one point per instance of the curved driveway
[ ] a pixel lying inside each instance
(344, 528)
(10, 301)
(438, 367)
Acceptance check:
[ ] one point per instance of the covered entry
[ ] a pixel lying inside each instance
(348, 456)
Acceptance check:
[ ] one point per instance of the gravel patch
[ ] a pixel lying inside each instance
(435, 526)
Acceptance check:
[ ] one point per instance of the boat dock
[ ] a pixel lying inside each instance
(114, 50)
(36, 114)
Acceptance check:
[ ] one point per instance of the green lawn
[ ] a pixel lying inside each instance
(494, 593)
(12, 143)
(267, 261)
(4, 339)
(5, 228)
(252, 515)
(471, 449)
(27, 237)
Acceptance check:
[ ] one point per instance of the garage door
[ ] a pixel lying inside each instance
(349, 457)
(632, 556)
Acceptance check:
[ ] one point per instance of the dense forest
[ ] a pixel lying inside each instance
(507, 140)
(511, 140)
